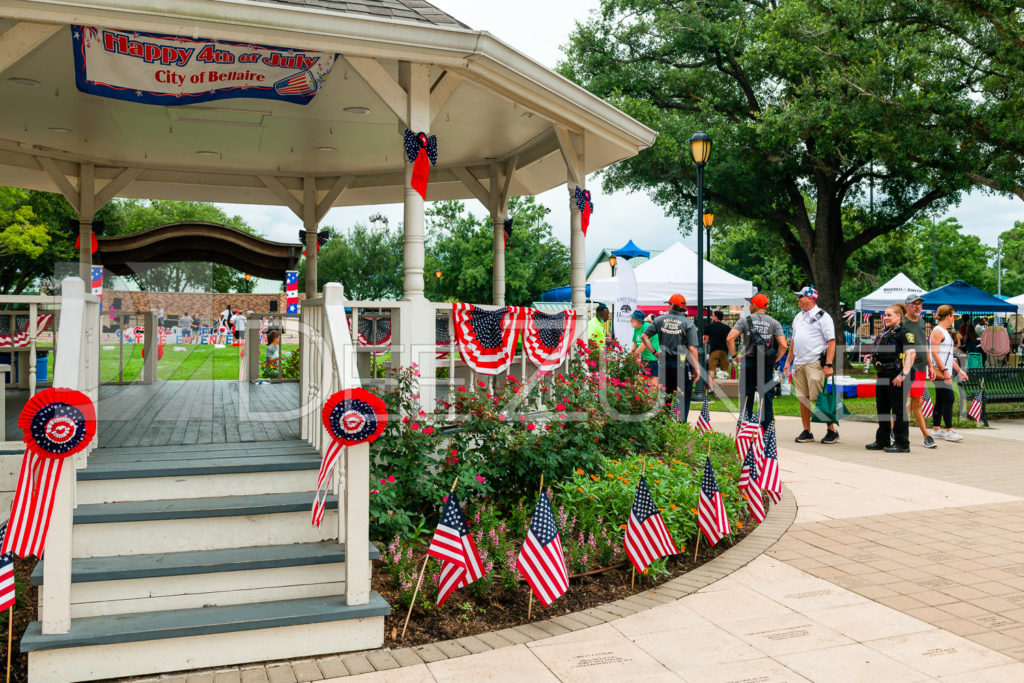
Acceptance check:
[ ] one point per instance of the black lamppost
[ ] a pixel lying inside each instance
(700, 149)
(437, 274)
(612, 260)
(709, 219)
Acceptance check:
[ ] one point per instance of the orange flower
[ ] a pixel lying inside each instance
(595, 477)
(657, 481)
(677, 462)
(622, 526)
(580, 489)
(693, 511)
(661, 509)
(673, 506)
(579, 471)
(611, 476)
(739, 524)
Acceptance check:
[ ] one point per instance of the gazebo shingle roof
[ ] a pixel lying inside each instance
(408, 10)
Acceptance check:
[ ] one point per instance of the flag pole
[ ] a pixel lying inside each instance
(632, 570)
(10, 634)
(419, 581)
(696, 546)
(529, 607)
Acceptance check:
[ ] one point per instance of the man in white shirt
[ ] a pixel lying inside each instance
(810, 359)
(238, 328)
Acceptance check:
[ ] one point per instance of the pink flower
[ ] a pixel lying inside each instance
(483, 384)
(531, 426)
(405, 419)
(479, 479)
(462, 388)
(592, 363)
(560, 406)
(444, 498)
(391, 479)
(455, 451)
(422, 413)
(428, 431)
(375, 491)
(383, 480)
(501, 417)
(415, 425)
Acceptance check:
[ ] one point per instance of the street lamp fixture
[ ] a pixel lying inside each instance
(438, 274)
(700, 150)
(612, 260)
(709, 219)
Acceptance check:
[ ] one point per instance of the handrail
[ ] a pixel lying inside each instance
(76, 366)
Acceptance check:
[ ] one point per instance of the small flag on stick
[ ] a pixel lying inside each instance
(975, 410)
(927, 407)
(750, 488)
(647, 538)
(770, 471)
(6, 575)
(711, 517)
(704, 419)
(453, 547)
(541, 561)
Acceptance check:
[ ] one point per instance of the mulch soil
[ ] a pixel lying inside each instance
(503, 610)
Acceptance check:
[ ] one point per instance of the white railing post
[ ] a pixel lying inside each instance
(33, 312)
(252, 347)
(55, 596)
(150, 339)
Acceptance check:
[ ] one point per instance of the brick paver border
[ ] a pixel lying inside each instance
(779, 518)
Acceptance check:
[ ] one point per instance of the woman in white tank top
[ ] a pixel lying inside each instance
(941, 349)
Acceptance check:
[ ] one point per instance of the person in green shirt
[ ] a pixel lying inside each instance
(649, 357)
(595, 328)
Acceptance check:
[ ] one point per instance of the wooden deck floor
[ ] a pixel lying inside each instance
(189, 412)
(195, 412)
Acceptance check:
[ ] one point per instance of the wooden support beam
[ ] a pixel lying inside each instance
(442, 91)
(473, 185)
(289, 200)
(21, 39)
(118, 183)
(570, 144)
(61, 181)
(381, 82)
(340, 183)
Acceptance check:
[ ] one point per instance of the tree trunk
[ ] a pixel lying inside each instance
(828, 256)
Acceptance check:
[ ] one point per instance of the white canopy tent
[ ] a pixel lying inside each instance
(675, 271)
(1019, 300)
(893, 291)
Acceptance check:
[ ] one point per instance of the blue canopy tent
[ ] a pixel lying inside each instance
(560, 294)
(630, 250)
(965, 298)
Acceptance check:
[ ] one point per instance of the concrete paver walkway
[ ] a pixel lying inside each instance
(897, 568)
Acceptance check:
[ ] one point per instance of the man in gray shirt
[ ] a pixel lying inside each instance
(758, 359)
(914, 324)
(678, 337)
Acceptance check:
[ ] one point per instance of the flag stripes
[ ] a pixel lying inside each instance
(647, 537)
(541, 560)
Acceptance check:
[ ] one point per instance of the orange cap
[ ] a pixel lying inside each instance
(759, 300)
(677, 300)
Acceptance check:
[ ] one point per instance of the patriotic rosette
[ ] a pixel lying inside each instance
(351, 417)
(547, 337)
(57, 423)
(486, 339)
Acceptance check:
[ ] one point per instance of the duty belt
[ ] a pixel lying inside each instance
(895, 365)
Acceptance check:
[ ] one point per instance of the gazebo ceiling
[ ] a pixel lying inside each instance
(503, 108)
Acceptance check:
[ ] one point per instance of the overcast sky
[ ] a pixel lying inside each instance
(617, 217)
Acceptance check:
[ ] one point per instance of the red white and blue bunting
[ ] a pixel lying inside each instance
(351, 417)
(57, 423)
(487, 339)
(547, 337)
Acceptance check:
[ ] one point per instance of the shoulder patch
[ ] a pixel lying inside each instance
(910, 337)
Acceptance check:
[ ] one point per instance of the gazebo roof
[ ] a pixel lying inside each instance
(494, 106)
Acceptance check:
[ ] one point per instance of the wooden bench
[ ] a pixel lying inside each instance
(1002, 385)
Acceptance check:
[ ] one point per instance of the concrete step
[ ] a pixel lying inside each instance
(180, 525)
(154, 582)
(174, 640)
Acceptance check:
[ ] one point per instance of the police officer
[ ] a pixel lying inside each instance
(894, 360)
(678, 337)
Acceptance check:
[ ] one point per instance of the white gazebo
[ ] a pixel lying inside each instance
(674, 271)
(372, 69)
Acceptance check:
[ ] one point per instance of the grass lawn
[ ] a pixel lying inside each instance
(195, 362)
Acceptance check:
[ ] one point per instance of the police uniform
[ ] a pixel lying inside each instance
(889, 398)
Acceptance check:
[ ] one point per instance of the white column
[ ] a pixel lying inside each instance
(415, 78)
(310, 225)
(577, 251)
(498, 276)
(86, 211)
(356, 513)
(150, 341)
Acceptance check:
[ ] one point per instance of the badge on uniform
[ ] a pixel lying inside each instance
(910, 337)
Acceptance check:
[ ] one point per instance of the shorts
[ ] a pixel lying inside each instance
(917, 383)
(718, 360)
(808, 380)
(652, 368)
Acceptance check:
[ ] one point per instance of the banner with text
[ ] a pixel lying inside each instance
(173, 70)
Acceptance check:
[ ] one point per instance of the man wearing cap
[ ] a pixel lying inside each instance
(914, 326)
(678, 336)
(810, 359)
(763, 344)
(649, 357)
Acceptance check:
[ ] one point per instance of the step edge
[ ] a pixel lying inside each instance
(34, 641)
(206, 470)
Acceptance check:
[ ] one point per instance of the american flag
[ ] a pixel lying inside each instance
(6, 575)
(453, 547)
(975, 410)
(711, 517)
(541, 561)
(291, 292)
(751, 435)
(927, 407)
(97, 281)
(770, 468)
(487, 339)
(704, 419)
(647, 538)
(748, 485)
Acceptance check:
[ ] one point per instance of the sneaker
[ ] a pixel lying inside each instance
(929, 442)
(831, 436)
(892, 437)
(875, 446)
(897, 449)
(938, 433)
(952, 436)
(804, 437)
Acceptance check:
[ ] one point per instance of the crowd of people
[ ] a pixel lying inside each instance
(905, 356)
